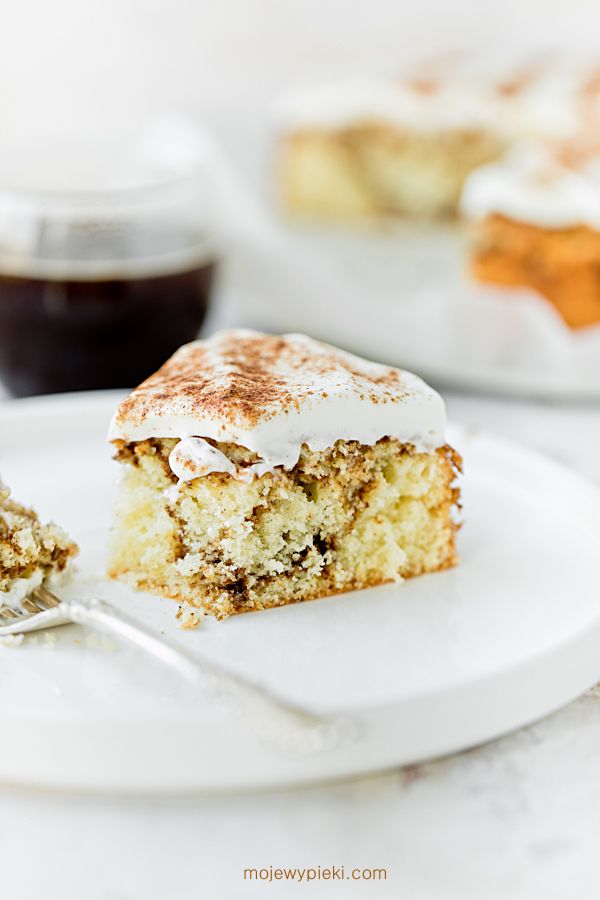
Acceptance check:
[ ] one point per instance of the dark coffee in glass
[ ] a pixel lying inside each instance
(66, 334)
(99, 287)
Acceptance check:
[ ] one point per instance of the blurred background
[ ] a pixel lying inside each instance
(69, 68)
(139, 142)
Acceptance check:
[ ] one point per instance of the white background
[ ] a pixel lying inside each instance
(70, 66)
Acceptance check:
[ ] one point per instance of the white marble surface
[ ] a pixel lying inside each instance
(517, 818)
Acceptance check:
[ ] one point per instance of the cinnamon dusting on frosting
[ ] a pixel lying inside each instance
(423, 85)
(250, 376)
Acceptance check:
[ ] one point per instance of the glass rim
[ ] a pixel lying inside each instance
(65, 201)
(73, 175)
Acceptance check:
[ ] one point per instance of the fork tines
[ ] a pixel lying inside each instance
(8, 613)
(38, 601)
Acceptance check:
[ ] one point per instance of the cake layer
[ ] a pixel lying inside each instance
(375, 170)
(274, 395)
(30, 552)
(349, 517)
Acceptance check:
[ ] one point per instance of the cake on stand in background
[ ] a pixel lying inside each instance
(373, 149)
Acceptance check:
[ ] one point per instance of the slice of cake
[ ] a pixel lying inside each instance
(373, 150)
(535, 223)
(30, 553)
(261, 470)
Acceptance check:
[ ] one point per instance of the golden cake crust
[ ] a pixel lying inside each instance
(561, 264)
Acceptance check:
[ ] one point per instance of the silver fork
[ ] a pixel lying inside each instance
(284, 724)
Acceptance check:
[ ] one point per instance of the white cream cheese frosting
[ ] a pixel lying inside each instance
(272, 395)
(513, 95)
(194, 457)
(531, 186)
(439, 106)
(20, 589)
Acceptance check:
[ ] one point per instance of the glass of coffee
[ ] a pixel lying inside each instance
(106, 266)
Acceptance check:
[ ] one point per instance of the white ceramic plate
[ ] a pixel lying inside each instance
(432, 666)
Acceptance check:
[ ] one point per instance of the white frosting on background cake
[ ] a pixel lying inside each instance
(550, 106)
(525, 94)
(530, 186)
(450, 104)
(271, 395)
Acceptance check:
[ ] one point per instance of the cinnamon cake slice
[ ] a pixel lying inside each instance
(31, 553)
(262, 470)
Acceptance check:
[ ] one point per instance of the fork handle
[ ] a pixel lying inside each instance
(272, 717)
